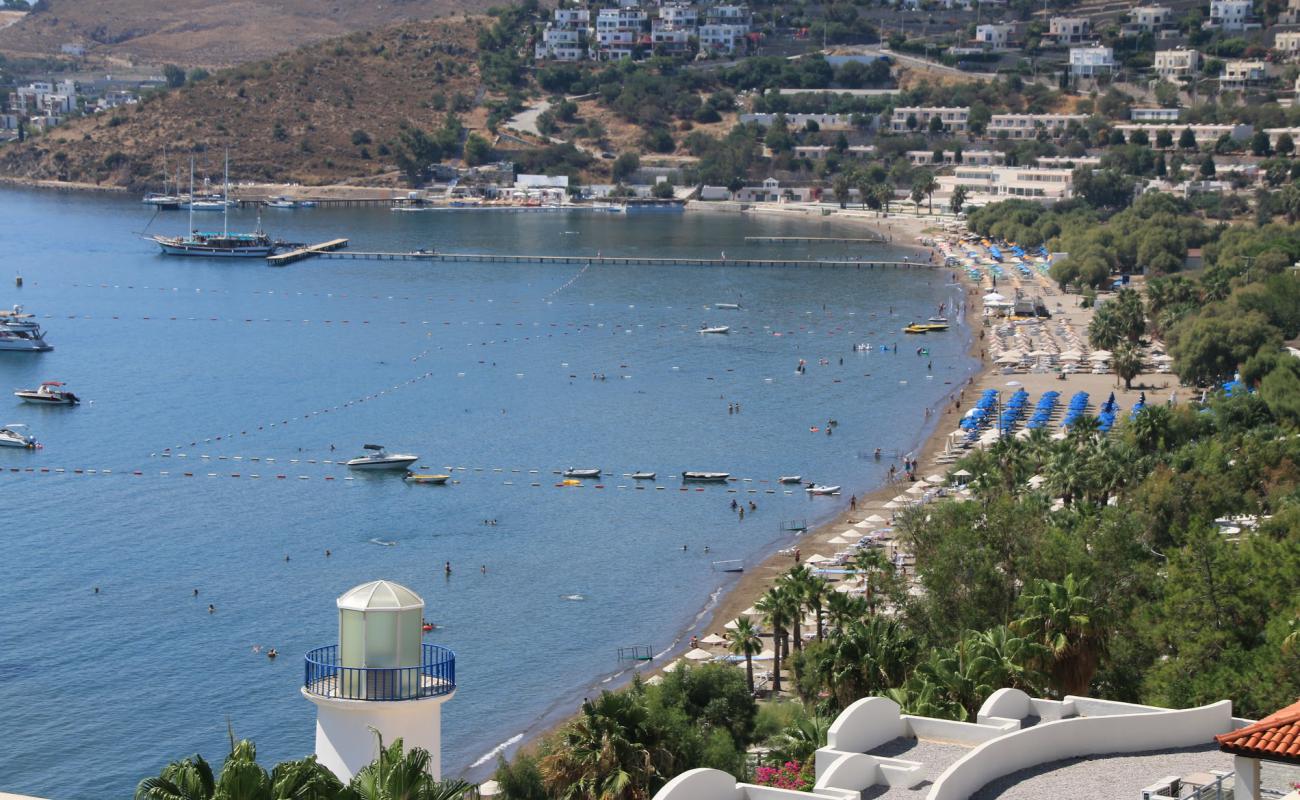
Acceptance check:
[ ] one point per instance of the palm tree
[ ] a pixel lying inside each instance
(885, 193)
(401, 774)
(1127, 363)
(773, 608)
(841, 187)
(601, 754)
(1008, 659)
(745, 642)
(918, 194)
(190, 779)
(815, 591)
(1070, 624)
(870, 562)
(800, 741)
(929, 186)
(843, 609)
(304, 779)
(795, 582)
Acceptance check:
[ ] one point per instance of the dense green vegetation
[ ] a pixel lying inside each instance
(397, 774)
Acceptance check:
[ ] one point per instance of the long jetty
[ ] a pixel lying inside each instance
(812, 240)
(502, 258)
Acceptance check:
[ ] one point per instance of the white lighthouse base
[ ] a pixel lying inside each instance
(345, 741)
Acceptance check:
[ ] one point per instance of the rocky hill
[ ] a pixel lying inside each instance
(207, 32)
(327, 112)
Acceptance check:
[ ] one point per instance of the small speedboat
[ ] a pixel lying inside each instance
(48, 394)
(581, 473)
(281, 202)
(643, 476)
(715, 329)
(378, 458)
(818, 488)
(15, 435)
(436, 480)
(790, 479)
(727, 306)
(705, 477)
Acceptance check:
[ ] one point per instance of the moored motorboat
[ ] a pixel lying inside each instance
(695, 476)
(436, 480)
(790, 479)
(22, 340)
(15, 435)
(643, 476)
(49, 393)
(378, 458)
(280, 202)
(581, 473)
(715, 329)
(727, 306)
(818, 488)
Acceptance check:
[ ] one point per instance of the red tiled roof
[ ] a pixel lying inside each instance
(1275, 737)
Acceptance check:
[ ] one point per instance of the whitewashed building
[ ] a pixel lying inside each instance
(1150, 19)
(1153, 114)
(1027, 126)
(994, 37)
(1241, 73)
(955, 118)
(1070, 30)
(1232, 15)
(1287, 43)
(987, 184)
(1177, 63)
(1090, 62)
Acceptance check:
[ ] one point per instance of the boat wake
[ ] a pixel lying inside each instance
(573, 597)
(383, 542)
(496, 751)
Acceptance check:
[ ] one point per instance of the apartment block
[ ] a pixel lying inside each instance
(955, 119)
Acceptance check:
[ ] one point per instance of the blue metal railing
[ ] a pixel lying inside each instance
(325, 676)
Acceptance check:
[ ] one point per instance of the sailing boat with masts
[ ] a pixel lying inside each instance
(163, 200)
(222, 245)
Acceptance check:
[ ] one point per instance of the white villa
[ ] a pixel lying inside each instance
(955, 119)
(1070, 30)
(1075, 747)
(1174, 64)
(1089, 62)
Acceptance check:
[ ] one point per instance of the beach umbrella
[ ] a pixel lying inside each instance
(935, 479)
(1099, 355)
(839, 540)
(875, 518)
(1071, 355)
(918, 489)
(699, 654)
(994, 297)
(713, 638)
(893, 504)
(816, 558)
(749, 612)
(1007, 358)
(1014, 383)
(865, 524)
(654, 680)
(673, 667)
(902, 498)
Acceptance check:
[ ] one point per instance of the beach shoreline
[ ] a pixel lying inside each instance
(727, 601)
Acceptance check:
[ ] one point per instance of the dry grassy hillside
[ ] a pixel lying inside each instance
(208, 32)
(323, 113)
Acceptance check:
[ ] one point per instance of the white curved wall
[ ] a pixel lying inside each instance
(1080, 736)
(864, 725)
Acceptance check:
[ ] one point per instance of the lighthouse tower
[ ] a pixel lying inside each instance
(381, 676)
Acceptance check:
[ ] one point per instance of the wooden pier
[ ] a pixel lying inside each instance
(502, 258)
(306, 252)
(812, 240)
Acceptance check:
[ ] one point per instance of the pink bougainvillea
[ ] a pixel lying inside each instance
(787, 776)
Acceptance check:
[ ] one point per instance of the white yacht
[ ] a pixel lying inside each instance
(696, 476)
(15, 435)
(715, 329)
(820, 489)
(20, 331)
(378, 458)
(50, 393)
(581, 473)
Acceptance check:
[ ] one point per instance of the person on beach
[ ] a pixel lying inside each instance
(796, 555)
(853, 503)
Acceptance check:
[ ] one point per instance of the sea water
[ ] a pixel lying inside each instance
(195, 371)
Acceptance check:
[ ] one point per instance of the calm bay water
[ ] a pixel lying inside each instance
(482, 366)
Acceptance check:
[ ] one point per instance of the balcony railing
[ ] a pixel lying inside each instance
(325, 676)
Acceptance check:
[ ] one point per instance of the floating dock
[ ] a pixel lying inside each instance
(306, 252)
